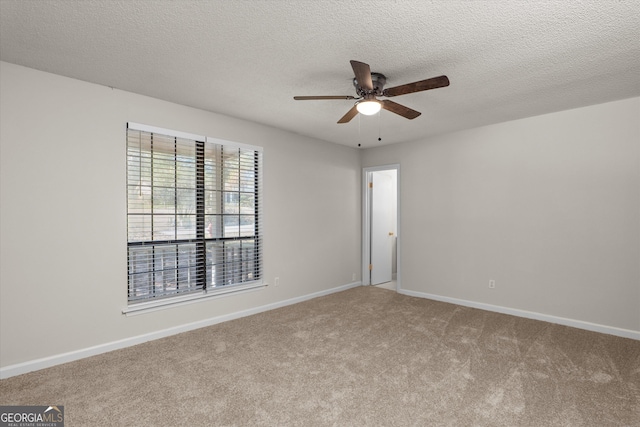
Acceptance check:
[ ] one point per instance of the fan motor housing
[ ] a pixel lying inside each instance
(378, 81)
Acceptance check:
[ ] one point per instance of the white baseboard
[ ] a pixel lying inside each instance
(58, 359)
(594, 327)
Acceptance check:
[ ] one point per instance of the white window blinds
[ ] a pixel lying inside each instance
(194, 214)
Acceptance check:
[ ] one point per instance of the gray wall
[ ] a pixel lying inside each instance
(63, 275)
(548, 207)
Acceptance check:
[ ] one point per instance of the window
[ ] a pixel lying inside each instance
(194, 215)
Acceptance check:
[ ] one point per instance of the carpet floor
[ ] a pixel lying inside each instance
(362, 357)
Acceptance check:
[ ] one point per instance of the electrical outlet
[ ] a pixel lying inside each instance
(353, 277)
(492, 284)
(276, 281)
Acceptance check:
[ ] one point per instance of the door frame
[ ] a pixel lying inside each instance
(366, 223)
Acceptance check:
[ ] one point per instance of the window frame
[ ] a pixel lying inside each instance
(207, 260)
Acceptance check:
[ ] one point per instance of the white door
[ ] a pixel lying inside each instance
(382, 236)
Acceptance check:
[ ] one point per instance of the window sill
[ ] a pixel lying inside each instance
(147, 307)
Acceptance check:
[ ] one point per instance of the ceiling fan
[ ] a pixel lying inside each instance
(371, 85)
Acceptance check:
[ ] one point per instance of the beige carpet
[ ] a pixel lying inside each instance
(363, 357)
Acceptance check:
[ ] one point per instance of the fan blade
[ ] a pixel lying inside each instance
(350, 115)
(401, 110)
(432, 83)
(306, 98)
(363, 74)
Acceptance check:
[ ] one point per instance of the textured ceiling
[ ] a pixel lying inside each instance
(505, 59)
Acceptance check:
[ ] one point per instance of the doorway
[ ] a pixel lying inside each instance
(381, 228)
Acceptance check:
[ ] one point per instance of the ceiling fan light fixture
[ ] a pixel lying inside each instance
(370, 85)
(368, 107)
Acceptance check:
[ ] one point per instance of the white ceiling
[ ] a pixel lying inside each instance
(247, 59)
